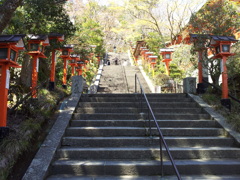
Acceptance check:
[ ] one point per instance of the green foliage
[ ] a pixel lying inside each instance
(220, 17)
(175, 72)
(161, 79)
(40, 17)
(88, 33)
(153, 41)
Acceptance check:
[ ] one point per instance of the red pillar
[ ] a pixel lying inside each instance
(52, 73)
(224, 79)
(34, 76)
(167, 67)
(4, 94)
(64, 79)
(73, 70)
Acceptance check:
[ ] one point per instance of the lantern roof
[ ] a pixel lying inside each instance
(75, 55)
(149, 52)
(38, 37)
(18, 39)
(166, 50)
(223, 38)
(68, 46)
(216, 39)
(153, 56)
(195, 36)
(41, 38)
(58, 36)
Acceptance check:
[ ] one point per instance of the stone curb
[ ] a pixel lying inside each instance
(94, 87)
(216, 116)
(39, 167)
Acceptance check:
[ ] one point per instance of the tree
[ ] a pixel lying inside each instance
(7, 9)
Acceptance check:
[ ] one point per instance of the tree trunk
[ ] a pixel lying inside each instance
(6, 12)
(26, 73)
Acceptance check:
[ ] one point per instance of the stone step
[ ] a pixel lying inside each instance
(135, 104)
(132, 99)
(92, 110)
(149, 167)
(150, 95)
(132, 116)
(192, 177)
(138, 131)
(142, 123)
(145, 153)
(124, 141)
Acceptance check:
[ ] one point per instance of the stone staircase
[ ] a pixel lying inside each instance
(107, 138)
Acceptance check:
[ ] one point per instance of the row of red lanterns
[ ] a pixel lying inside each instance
(150, 59)
(10, 45)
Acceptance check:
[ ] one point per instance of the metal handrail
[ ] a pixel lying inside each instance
(161, 138)
(218, 88)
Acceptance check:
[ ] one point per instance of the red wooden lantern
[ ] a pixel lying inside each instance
(66, 50)
(73, 62)
(36, 46)
(80, 64)
(153, 61)
(9, 47)
(59, 38)
(167, 57)
(222, 45)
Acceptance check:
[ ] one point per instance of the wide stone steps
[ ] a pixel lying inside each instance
(108, 137)
(126, 141)
(145, 153)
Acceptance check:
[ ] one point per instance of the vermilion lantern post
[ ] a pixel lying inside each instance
(9, 47)
(152, 61)
(73, 63)
(58, 38)
(80, 64)
(167, 57)
(66, 50)
(199, 41)
(36, 46)
(222, 45)
(143, 51)
(147, 54)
